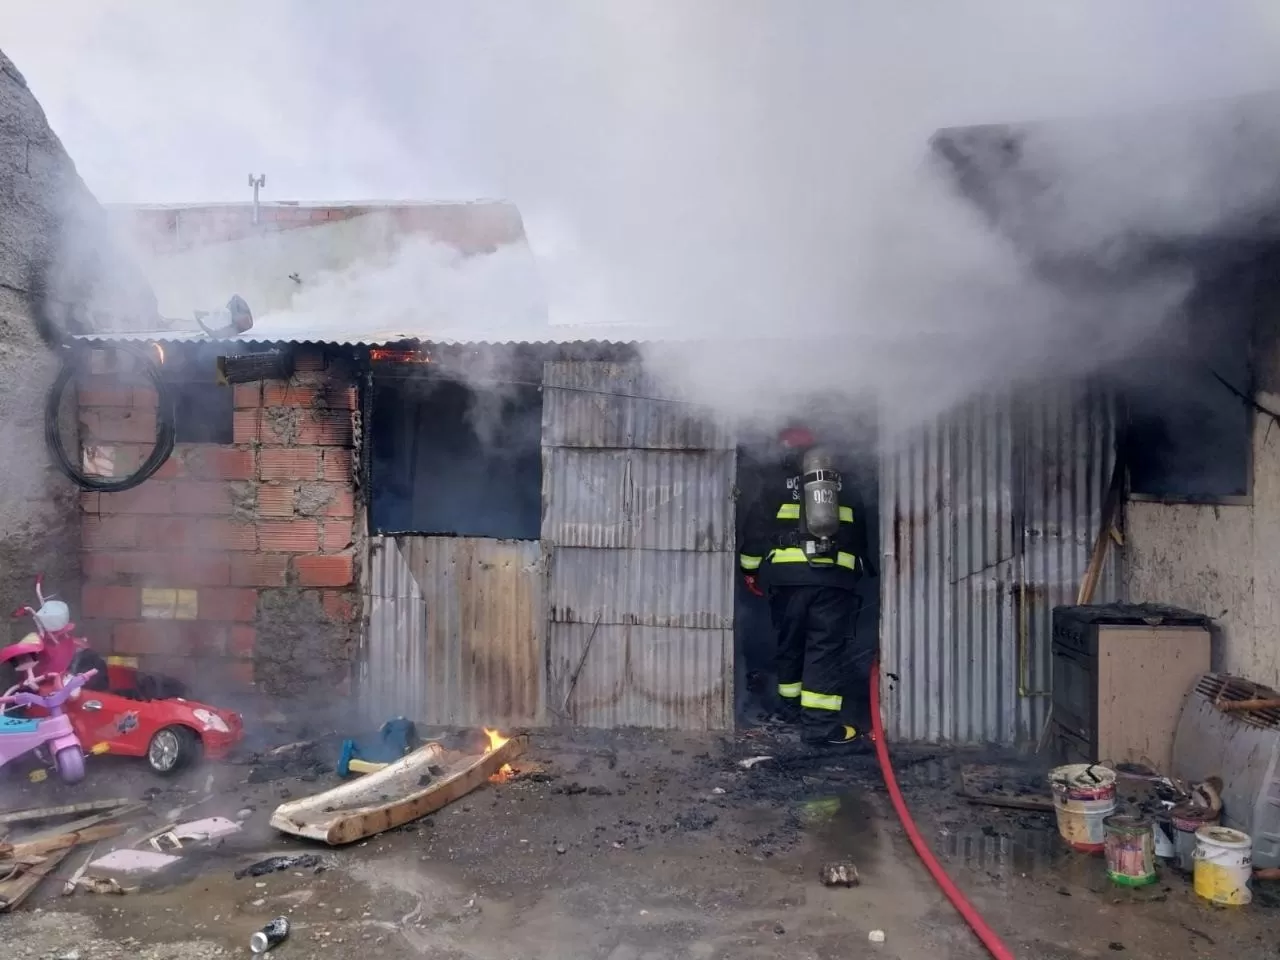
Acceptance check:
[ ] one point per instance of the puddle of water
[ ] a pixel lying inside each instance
(842, 827)
(1017, 850)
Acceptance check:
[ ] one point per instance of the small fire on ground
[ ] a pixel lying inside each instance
(496, 740)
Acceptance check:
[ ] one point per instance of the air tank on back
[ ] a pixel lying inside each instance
(821, 482)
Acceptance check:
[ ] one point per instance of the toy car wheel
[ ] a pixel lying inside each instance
(171, 749)
(70, 764)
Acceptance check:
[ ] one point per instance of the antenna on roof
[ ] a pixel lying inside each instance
(256, 182)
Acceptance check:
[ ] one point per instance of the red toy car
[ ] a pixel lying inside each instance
(131, 714)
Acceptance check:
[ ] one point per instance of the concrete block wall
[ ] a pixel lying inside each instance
(59, 265)
(234, 566)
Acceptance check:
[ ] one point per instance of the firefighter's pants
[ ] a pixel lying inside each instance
(812, 624)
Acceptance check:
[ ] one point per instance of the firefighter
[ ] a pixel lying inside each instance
(804, 547)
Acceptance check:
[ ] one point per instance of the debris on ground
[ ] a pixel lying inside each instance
(103, 885)
(394, 796)
(32, 814)
(133, 861)
(876, 936)
(750, 762)
(195, 832)
(395, 739)
(270, 936)
(25, 863)
(996, 786)
(301, 861)
(303, 760)
(839, 875)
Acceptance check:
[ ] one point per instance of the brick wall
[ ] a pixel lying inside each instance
(234, 565)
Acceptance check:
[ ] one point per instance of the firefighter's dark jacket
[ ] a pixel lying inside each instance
(772, 530)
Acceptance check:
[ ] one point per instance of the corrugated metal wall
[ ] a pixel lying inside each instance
(456, 630)
(638, 522)
(988, 516)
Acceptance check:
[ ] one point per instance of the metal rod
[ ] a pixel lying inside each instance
(573, 679)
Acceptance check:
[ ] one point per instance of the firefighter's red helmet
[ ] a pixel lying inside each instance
(796, 438)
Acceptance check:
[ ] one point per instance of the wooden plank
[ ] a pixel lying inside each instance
(86, 822)
(66, 841)
(66, 810)
(13, 892)
(339, 816)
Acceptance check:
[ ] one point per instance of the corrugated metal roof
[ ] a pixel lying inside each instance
(602, 335)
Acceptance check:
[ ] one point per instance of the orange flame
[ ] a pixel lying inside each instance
(496, 740)
(399, 355)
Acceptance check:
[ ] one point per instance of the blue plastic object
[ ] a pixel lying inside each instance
(394, 739)
(18, 725)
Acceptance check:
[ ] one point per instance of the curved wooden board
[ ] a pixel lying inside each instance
(391, 797)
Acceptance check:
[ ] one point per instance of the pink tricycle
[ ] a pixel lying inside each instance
(50, 648)
(20, 736)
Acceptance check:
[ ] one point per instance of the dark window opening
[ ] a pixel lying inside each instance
(203, 412)
(447, 460)
(203, 408)
(1189, 436)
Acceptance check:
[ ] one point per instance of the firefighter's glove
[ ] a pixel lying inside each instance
(753, 585)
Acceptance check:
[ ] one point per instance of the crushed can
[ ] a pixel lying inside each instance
(270, 936)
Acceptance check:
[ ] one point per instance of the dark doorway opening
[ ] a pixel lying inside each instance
(853, 441)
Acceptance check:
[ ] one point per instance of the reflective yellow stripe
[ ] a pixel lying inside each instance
(821, 701)
(789, 690)
(791, 511)
(796, 555)
(749, 562)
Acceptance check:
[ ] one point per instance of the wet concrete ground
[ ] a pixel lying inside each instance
(632, 846)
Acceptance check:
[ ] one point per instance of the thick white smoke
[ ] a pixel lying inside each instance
(724, 169)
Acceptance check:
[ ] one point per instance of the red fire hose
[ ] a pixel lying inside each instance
(971, 916)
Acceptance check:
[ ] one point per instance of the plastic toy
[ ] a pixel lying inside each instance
(49, 649)
(53, 733)
(122, 711)
(127, 713)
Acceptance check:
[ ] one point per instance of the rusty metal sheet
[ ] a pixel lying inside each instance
(456, 630)
(988, 515)
(658, 588)
(598, 404)
(639, 676)
(645, 499)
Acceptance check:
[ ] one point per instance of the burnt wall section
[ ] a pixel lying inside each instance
(233, 567)
(57, 267)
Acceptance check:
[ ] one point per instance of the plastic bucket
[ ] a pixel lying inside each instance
(1130, 848)
(1084, 795)
(1224, 866)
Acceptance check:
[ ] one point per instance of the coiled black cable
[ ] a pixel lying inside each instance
(166, 426)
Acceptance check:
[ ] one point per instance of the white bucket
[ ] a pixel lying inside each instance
(1080, 822)
(1084, 795)
(1223, 865)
